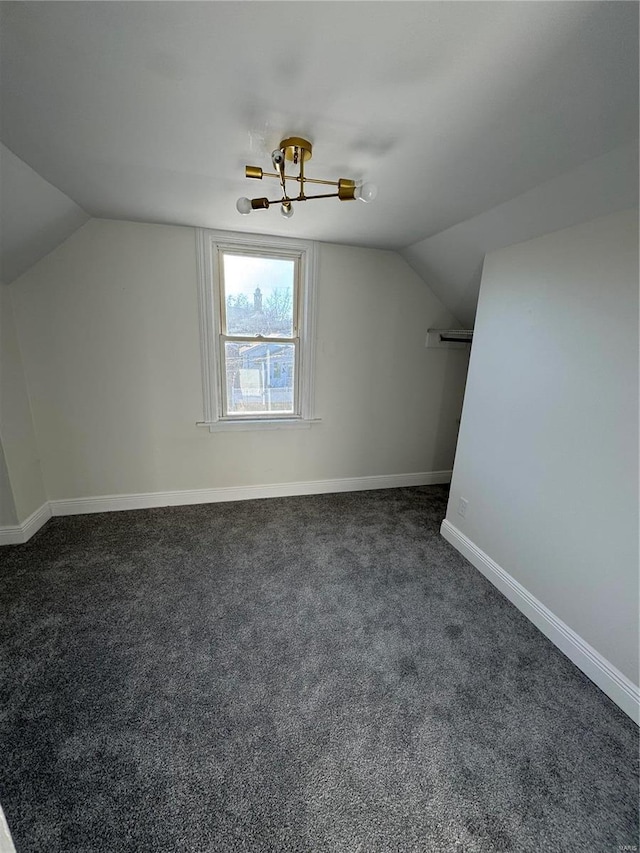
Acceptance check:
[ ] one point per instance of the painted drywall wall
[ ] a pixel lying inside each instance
(8, 516)
(108, 327)
(548, 450)
(35, 216)
(16, 424)
(451, 261)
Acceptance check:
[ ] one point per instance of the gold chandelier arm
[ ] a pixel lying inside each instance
(282, 177)
(301, 178)
(320, 181)
(310, 197)
(297, 178)
(300, 198)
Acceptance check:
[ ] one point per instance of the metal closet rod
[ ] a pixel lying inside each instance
(458, 336)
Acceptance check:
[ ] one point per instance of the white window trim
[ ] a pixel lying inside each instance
(208, 243)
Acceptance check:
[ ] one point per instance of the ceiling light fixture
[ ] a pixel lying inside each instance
(298, 151)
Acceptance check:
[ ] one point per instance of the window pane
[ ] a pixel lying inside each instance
(259, 295)
(260, 377)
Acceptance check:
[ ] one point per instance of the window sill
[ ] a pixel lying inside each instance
(247, 424)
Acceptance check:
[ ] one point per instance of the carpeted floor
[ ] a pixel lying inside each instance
(305, 674)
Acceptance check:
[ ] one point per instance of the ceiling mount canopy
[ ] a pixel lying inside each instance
(296, 150)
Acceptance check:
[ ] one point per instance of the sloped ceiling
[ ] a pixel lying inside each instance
(150, 111)
(452, 260)
(35, 216)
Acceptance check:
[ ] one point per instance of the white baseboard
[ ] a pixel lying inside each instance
(112, 503)
(603, 673)
(18, 534)
(6, 842)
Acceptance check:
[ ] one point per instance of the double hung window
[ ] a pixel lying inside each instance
(256, 301)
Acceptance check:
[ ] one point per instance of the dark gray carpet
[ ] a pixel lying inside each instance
(301, 674)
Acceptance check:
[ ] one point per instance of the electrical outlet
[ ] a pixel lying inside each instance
(463, 503)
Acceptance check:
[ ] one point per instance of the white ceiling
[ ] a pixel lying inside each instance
(151, 110)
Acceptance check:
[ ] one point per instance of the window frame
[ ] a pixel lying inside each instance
(210, 247)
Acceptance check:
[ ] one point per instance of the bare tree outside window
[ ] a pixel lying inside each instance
(273, 320)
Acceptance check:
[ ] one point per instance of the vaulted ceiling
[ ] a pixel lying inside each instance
(150, 111)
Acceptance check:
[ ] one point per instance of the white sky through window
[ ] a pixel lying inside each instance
(243, 273)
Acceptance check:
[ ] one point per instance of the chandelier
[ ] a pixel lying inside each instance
(297, 151)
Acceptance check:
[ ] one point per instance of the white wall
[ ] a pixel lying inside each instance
(108, 326)
(8, 516)
(17, 433)
(548, 448)
(35, 216)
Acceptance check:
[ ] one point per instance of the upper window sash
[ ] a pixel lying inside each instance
(297, 257)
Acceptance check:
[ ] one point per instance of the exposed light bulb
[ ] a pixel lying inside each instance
(366, 192)
(286, 210)
(243, 206)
